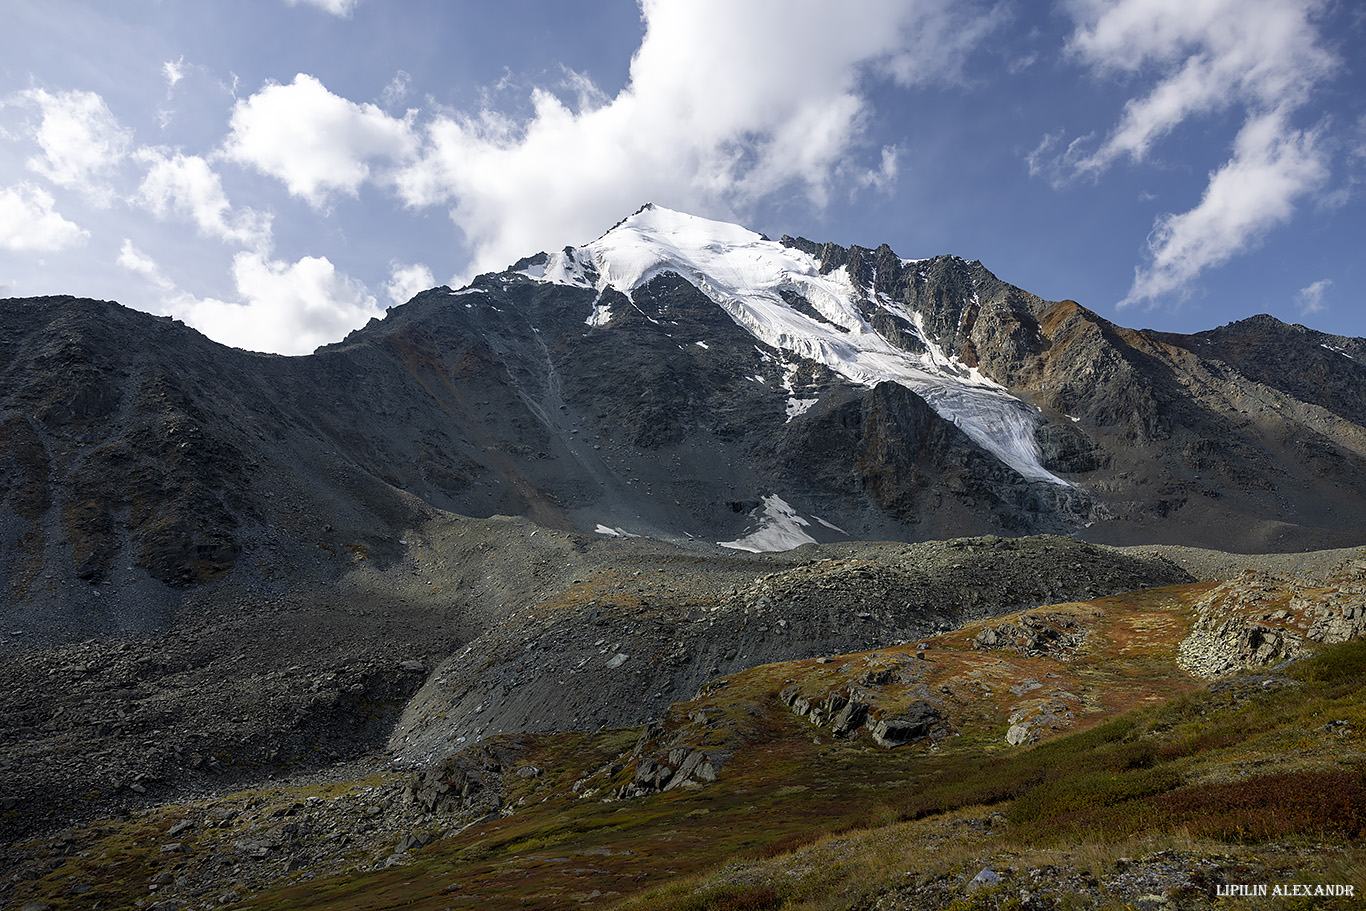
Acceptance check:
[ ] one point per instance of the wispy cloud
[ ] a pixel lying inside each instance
(186, 185)
(1213, 55)
(1309, 299)
(81, 141)
(1272, 166)
(341, 8)
(174, 71)
(397, 89)
(134, 260)
(1263, 57)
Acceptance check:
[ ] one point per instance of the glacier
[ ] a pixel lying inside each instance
(745, 274)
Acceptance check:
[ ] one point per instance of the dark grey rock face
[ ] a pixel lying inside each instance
(917, 721)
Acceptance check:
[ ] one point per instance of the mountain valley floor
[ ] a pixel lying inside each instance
(511, 716)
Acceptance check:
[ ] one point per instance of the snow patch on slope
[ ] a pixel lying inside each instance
(780, 528)
(602, 313)
(745, 274)
(567, 268)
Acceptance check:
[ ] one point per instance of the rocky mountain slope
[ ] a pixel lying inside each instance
(795, 392)
(518, 544)
(583, 634)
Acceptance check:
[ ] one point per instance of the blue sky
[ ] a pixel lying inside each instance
(275, 173)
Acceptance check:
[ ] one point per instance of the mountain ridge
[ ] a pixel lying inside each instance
(137, 449)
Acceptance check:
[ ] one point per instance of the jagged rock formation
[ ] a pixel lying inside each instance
(1035, 634)
(467, 786)
(845, 710)
(663, 761)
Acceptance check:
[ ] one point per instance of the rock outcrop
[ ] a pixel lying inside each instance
(1034, 634)
(664, 759)
(1260, 621)
(889, 720)
(467, 786)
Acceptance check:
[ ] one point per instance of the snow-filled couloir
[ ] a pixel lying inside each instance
(746, 274)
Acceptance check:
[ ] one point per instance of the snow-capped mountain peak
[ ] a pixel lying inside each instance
(755, 280)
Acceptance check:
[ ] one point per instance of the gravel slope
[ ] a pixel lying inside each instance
(1212, 565)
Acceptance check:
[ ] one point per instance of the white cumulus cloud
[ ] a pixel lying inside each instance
(316, 142)
(288, 308)
(81, 141)
(30, 224)
(186, 185)
(281, 307)
(407, 280)
(134, 260)
(726, 103)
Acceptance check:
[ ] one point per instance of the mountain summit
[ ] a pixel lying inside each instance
(782, 296)
(679, 379)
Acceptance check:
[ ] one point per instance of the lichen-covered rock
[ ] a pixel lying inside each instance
(915, 721)
(849, 718)
(1035, 634)
(1338, 621)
